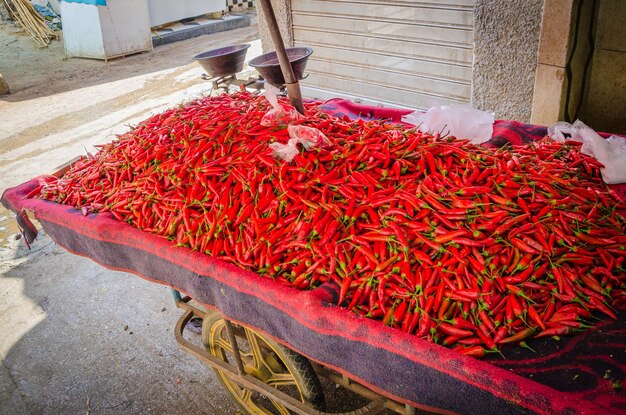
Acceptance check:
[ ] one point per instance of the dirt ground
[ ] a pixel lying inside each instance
(57, 102)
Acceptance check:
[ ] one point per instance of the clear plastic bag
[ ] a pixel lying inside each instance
(610, 152)
(308, 137)
(280, 114)
(461, 121)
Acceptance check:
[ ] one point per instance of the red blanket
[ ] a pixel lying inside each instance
(575, 375)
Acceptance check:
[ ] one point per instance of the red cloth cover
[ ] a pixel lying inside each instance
(566, 377)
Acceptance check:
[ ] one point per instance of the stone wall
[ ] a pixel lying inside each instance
(604, 104)
(282, 10)
(506, 42)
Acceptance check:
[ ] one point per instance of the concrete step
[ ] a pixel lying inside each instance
(189, 28)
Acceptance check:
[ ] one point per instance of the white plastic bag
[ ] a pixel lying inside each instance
(306, 136)
(610, 152)
(461, 121)
(558, 131)
(280, 114)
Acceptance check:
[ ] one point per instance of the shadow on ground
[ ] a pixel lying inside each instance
(84, 339)
(78, 338)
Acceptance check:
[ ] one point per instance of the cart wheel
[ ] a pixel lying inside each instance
(266, 360)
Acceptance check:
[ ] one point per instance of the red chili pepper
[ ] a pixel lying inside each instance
(519, 336)
(398, 219)
(442, 239)
(425, 324)
(484, 318)
(484, 337)
(399, 313)
(511, 222)
(532, 313)
(454, 331)
(555, 331)
(345, 284)
(524, 247)
(599, 305)
(500, 334)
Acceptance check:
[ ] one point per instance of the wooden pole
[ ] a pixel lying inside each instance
(292, 84)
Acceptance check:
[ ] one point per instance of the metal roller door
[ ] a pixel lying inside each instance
(410, 53)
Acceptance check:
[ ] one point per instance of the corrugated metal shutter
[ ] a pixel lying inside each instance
(410, 53)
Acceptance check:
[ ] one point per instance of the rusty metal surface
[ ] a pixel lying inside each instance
(375, 406)
(223, 61)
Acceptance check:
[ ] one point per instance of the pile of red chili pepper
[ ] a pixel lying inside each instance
(467, 246)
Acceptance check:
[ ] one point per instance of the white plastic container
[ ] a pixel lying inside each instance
(118, 28)
(166, 11)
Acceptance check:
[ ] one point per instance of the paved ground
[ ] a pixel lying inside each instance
(75, 337)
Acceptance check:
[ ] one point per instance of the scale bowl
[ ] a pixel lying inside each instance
(269, 68)
(223, 61)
